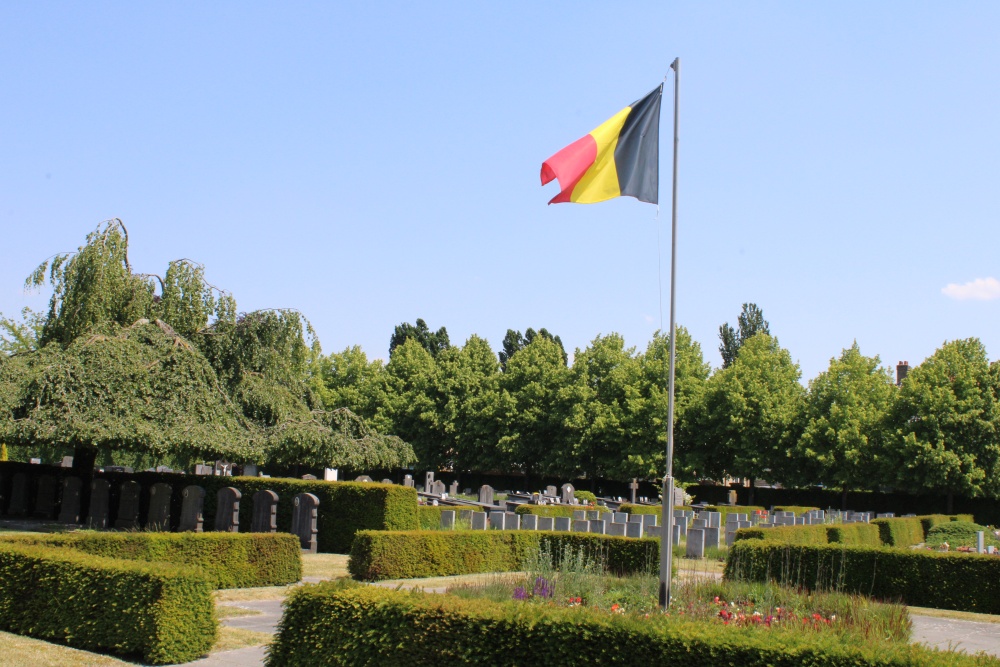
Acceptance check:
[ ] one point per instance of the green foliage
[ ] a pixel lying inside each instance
(843, 422)
(378, 555)
(434, 342)
(959, 534)
(966, 582)
(229, 560)
(514, 342)
(555, 510)
(900, 532)
(159, 612)
(947, 421)
(18, 337)
(749, 323)
(585, 496)
(328, 625)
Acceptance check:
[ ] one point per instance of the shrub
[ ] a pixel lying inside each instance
(901, 532)
(159, 612)
(556, 510)
(429, 516)
(797, 509)
(378, 555)
(324, 625)
(966, 582)
(958, 534)
(585, 496)
(229, 560)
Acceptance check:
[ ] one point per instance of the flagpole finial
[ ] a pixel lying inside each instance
(676, 64)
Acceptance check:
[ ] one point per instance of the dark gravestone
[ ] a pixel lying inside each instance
(192, 509)
(486, 494)
(19, 503)
(265, 512)
(158, 517)
(45, 503)
(227, 510)
(99, 504)
(69, 511)
(128, 506)
(305, 508)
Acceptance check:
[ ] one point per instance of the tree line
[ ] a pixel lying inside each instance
(603, 416)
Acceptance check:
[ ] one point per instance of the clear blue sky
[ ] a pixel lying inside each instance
(369, 163)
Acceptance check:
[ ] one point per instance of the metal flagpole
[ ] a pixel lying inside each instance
(667, 522)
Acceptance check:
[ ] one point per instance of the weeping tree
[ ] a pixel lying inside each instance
(164, 365)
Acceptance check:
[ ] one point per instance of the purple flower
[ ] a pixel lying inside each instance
(520, 593)
(543, 589)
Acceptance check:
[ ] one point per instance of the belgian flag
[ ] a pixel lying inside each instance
(618, 159)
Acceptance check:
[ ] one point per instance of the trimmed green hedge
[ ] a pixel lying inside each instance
(556, 510)
(158, 612)
(378, 555)
(326, 624)
(797, 509)
(901, 532)
(230, 560)
(967, 582)
(897, 532)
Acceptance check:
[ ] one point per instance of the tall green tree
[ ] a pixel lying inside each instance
(432, 341)
(749, 323)
(349, 380)
(947, 422)
(747, 417)
(843, 442)
(413, 403)
(513, 341)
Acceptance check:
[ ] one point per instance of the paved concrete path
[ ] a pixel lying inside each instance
(264, 621)
(946, 633)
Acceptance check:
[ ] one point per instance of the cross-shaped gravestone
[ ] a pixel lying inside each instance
(633, 487)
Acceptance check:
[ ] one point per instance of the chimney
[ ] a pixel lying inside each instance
(902, 368)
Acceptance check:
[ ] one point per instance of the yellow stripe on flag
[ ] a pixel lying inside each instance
(600, 183)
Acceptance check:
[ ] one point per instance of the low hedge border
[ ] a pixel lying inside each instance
(966, 582)
(326, 624)
(378, 555)
(896, 532)
(557, 510)
(724, 510)
(159, 612)
(230, 560)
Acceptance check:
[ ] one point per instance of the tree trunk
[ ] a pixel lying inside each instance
(84, 459)
(951, 503)
(750, 493)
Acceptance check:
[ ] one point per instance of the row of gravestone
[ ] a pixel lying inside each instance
(433, 487)
(227, 515)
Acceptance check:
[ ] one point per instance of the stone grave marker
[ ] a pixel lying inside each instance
(712, 536)
(428, 481)
(128, 506)
(579, 515)
(408, 480)
(227, 510)
(511, 521)
(616, 529)
(496, 520)
(45, 502)
(67, 462)
(465, 516)
(99, 504)
(448, 519)
(619, 517)
(546, 523)
(438, 488)
(732, 497)
(593, 515)
(634, 518)
(158, 517)
(598, 526)
(453, 489)
(580, 526)
(265, 512)
(980, 542)
(362, 478)
(19, 503)
(529, 522)
(700, 524)
(633, 529)
(387, 481)
(486, 494)
(202, 469)
(633, 488)
(676, 533)
(551, 491)
(309, 478)
(648, 520)
(651, 531)
(305, 513)
(192, 509)
(696, 543)
(479, 521)
(69, 511)
(678, 497)
(567, 496)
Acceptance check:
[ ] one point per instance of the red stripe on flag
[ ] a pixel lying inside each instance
(569, 165)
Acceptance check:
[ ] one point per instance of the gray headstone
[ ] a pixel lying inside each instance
(479, 521)
(265, 512)
(466, 516)
(551, 491)
(652, 531)
(598, 526)
(700, 524)
(19, 501)
(158, 517)
(45, 503)
(67, 462)
(408, 480)
(712, 536)
(128, 506)
(309, 478)
(362, 478)
(249, 470)
(511, 521)
(567, 496)
(633, 529)
(546, 523)
(496, 520)
(633, 488)
(453, 489)
(593, 515)
(69, 511)
(305, 514)
(438, 488)
(529, 522)
(227, 510)
(696, 543)
(192, 509)
(562, 523)
(448, 519)
(579, 515)
(486, 494)
(99, 504)
(203, 469)
(980, 542)
(676, 533)
(580, 526)
(635, 518)
(616, 529)
(648, 520)
(619, 517)
(387, 481)
(678, 497)
(428, 481)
